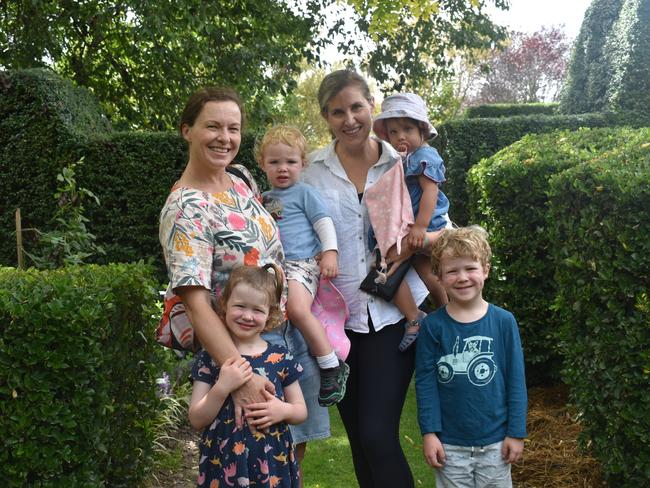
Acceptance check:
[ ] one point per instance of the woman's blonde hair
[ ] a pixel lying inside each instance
(462, 242)
(282, 134)
(268, 279)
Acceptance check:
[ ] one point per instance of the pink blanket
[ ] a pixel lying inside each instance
(390, 210)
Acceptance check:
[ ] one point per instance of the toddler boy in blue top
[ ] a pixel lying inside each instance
(469, 376)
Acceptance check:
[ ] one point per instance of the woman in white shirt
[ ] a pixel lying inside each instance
(379, 373)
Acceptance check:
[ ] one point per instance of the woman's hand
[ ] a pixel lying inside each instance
(234, 372)
(253, 391)
(264, 414)
(329, 266)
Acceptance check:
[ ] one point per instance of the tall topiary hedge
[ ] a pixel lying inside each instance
(610, 64)
(77, 397)
(588, 74)
(600, 228)
(510, 195)
(627, 51)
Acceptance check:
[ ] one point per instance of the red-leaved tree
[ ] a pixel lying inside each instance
(531, 68)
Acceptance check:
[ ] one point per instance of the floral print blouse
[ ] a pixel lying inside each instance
(205, 235)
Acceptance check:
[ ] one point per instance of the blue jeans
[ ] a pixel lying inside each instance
(317, 425)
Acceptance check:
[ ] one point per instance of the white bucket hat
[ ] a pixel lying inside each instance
(402, 105)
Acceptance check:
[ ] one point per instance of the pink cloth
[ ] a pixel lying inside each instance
(390, 210)
(329, 307)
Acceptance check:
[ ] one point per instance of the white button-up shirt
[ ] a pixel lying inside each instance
(351, 221)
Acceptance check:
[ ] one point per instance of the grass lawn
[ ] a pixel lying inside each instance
(328, 463)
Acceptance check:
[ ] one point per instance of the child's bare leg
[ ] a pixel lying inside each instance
(436, 291)
(405, 302)
(333, 372)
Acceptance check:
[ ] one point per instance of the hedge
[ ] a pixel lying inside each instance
(77, 389)
(510, 109)
(464, 142)
(510, 193)
(42, 119)
(600, 226)
(47, 123)
(610, 64)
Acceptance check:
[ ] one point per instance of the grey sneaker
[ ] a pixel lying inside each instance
(332, 384)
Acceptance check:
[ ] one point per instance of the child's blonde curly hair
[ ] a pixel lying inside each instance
(282, 134)
(462, 242)
(268, 279)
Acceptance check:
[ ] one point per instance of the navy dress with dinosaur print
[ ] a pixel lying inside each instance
(232, 457)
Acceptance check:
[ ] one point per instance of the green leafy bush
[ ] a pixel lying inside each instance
(509, 191)
(69, 242)
(510, 109)
(464, 142)
(77, 385)
(600, 227)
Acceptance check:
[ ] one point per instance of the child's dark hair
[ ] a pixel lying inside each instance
(268, 279)
(470, 242)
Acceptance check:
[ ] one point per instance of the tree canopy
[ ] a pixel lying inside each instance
(531, 68)
(141, 59)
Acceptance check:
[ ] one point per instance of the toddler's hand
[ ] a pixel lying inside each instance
(264, 415)
(234, 373)
(328, 263)
(416, 236)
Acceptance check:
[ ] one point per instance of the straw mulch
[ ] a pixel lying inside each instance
(551, 454)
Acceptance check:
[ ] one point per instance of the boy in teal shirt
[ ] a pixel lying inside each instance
(470, 382)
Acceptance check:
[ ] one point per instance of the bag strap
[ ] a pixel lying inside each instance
(240, 174)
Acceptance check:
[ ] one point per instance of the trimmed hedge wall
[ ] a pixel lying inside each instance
(600, 226)
(46, 123)
(510, 193)
(77, 389)
(464, 142)
(510, 109)
(42, 119)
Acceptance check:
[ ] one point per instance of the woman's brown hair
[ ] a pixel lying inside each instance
(207, 94)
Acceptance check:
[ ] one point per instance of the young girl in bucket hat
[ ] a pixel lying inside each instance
(404, 123)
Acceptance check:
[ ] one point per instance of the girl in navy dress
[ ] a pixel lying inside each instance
(264, 456)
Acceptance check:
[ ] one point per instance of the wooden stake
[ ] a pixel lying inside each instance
(19, 240)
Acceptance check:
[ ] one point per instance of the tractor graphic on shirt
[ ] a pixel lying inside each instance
(475, 361)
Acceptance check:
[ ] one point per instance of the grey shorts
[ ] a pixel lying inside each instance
(474, 467)
(317, 425)
(304, 271)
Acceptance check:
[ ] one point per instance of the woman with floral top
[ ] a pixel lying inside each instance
(213, 222)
